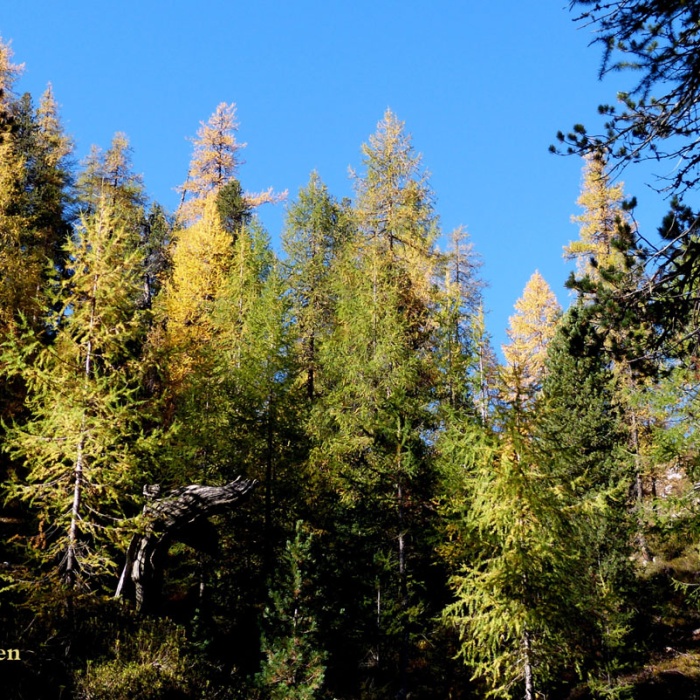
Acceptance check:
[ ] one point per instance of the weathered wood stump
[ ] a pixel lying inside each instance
(179, 516)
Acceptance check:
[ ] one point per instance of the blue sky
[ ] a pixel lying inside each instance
(482, 87)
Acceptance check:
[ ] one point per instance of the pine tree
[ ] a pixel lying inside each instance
(581, 433)
(34, 196)
(293, 667)
(49, 178)
(237, 397)
(613, 272)
(517, 594)
(9, 72)
(486, 376)
(535, 517)
(35, 211)
(236, 412)
(21, 260)
(80, 445)
(459, 343)
(394, 204)
(202, 258)
(214, 163)
(580, 419)
(109, 177)
(156, 238)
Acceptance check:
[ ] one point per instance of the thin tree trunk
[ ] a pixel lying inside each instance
(527, 667)
(311, 360)
(403, 582)
(483, 386)
(269, 477)
(79, 468)
(71, 555)
(377, 654)
(639, 488)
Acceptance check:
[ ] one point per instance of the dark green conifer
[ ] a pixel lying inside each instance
(293, 668)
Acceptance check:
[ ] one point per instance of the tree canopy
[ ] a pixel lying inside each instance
(423, 518)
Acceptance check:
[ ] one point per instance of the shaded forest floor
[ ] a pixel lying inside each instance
(669, 666)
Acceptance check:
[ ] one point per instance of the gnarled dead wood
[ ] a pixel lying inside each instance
(181, 515)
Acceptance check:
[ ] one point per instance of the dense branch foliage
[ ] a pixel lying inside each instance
(659, 41)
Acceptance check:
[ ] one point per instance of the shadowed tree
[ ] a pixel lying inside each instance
(317, 227)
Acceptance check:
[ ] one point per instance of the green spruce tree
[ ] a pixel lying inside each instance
(582, 433)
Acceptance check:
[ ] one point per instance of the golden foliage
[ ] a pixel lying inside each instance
(394, 206)
(21, 264)
(214, 163)
(202, 259)
(52, 139)
(9, 72)
(531, 329)
(255, 199)
(600, 221)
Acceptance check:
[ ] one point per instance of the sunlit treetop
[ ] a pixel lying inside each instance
(215, 162)
(600, 222)
(56, 144)
(9, 72)
(110, 175)
(394, 199)
(531, 329)
(216, 152)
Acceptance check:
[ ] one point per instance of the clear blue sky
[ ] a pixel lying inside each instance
(482, 87)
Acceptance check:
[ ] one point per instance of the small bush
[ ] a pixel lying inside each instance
(146, 666)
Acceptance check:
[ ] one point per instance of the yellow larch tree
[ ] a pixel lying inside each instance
(394, 205)
(109, 176)
(214, 163)
(201, 260)
(9, 72)
(18, 273)
(34, 198)
(52, 138)
(209, 222)
(531, 328)
(601, 220)
(20, 269)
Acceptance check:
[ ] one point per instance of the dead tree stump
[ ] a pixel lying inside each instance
(179, 516)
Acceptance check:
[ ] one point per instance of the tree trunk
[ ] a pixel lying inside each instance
(639, 487)
(181, 515)
(78, 470)
(403, 575)
(527, 667)
(71, 555)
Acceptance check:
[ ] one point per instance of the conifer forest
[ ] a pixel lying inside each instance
(231, 471)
